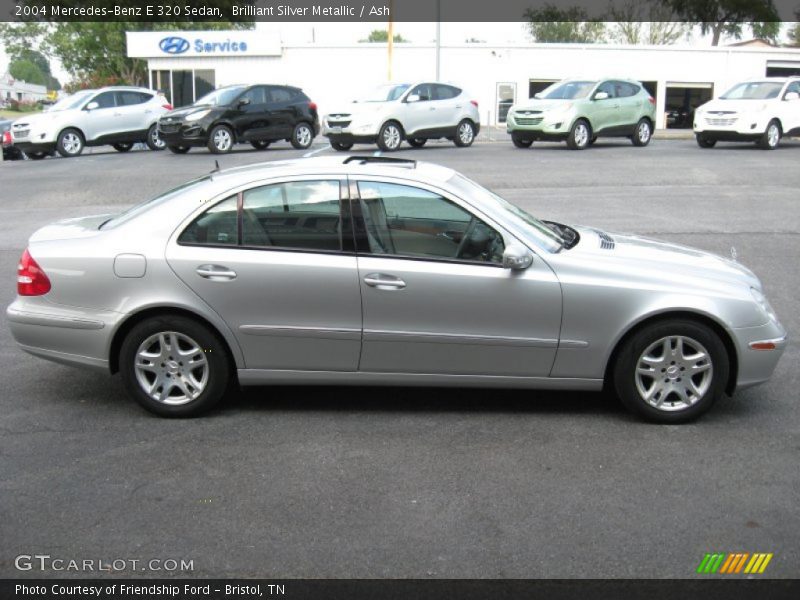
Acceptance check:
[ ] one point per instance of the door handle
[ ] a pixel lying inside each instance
(215, 272)
(384, 282)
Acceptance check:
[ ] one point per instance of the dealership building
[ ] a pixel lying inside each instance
(186, 65)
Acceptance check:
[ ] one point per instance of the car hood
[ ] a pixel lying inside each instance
(541, 105)
(180, 113)
(360, 108)
(45, 118)
(733, 105)
(661, 259)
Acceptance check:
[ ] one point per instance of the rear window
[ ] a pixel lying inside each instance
(143, 207)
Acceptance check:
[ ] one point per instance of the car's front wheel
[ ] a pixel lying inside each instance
(341, 146)
(154, 141)
(579, 135)
(465, 134)
(390, 137)
(520, 142)
(705, 142)
(643, 134)
(122, 146)
(671, 371)
(771, 137)
(220, 141)
(174, 366)
(302, 136)
(70, 143)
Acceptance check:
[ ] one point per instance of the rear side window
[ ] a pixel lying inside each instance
(217, 226)
(278, 94)
(132, 98)
(446, 92)
(625, 90)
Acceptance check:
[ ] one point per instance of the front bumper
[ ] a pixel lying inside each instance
(756, 366)
(730, 128)
(543, 126)
(183, 134)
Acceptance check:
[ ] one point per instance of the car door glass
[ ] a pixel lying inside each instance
(424, 91)
(105, 100)
(256, 95)
(446, 92)
(216, 226)
(279, 95)
(300, 214)
(131, 98)
(407, 221)
(608, 88)
(793, 87)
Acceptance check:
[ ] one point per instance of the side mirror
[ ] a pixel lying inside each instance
(244, 101)
(517, 258)
(412, 98)
(600, 96)
(792, 96)
(92, 105)
(537, 95)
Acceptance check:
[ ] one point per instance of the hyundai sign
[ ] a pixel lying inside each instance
(154, 44)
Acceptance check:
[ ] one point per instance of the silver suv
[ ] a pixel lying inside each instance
(415, 112)
(119, 116)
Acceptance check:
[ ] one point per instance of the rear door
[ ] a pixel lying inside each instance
(134, 112)
(630, 103)
(270, 261)
(282, 111)
(448, 105)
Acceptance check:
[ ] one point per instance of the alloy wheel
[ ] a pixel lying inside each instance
(222, 140)
(171, 368)
(581, 135)
(391, 137)
(466, 133)
(303, 136)
(643, 132)
(773, 135)
(71, 143)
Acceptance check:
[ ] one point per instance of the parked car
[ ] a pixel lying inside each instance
(258, 114)
(383, 271)
(10, 151)
(679, 117)
(119, 116)
(415, 112)
(579, 111)
(761, 111)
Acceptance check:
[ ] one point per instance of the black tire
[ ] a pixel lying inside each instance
(465, 134)
(593, 140)
(302, 136)
(417, 142)
(696, 337)
(122, 146)
(36, 155)
(211, 348)
(643, 133)
(220, 140)
(260, 144)
(341, 146)
(70, 143)
(705, 142)
(390, 136)
(580, 134)
(179, 149)
(520, 142)
(154, 141)
(772, 136)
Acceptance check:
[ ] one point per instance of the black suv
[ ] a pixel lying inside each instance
(259, 114)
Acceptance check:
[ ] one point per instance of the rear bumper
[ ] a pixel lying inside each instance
(29, 147)
(348, 138)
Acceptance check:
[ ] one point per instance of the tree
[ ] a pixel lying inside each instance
(794, 34)
(28, 71)
(729, 16)
(381, 35)
(41, 62)
(645, 22)
(96, 51)
(550, 24)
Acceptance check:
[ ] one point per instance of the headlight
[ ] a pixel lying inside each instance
(196, 116)
(762, 301)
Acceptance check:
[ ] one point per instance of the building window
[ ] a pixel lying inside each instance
(183, 87)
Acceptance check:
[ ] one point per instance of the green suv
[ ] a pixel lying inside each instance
(580, 111)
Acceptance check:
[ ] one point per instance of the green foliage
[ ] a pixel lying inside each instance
(794, 33)
(381, 35)
(645, 22)
(551, 24)
(728, 17)
(28, 71)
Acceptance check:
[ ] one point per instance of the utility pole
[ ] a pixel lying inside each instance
(390, 40)
(438, 38)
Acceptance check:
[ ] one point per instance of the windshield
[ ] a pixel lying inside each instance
(568, 90)
(71, 102)
(384, 93)
(220, 97)
(547, 238)
(753, 90)
(142, 207)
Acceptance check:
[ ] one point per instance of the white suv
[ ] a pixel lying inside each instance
(120, 116)
(761, 111)
(394, 112)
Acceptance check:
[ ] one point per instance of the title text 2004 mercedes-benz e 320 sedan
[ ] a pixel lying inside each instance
(384, 271)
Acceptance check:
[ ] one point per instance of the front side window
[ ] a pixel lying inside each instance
(405, 221)
(424, 91)
(105, 100)
(793, 87)
(256, 95)
(608, 88)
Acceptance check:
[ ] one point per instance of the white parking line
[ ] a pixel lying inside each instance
(317, 151)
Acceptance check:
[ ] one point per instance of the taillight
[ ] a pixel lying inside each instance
(167, 106)
(652, 100)
(6, 137)
(31, 280)
(474, 103)
(312, 105)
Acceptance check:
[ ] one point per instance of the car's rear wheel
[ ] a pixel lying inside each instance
(643, 134)
(417, 142)
(220, 140)
(178, 149)
(519, 141)
(580, 135)
(705, 142)
(154, 141)
(465, 134)
(70, 143)
(671, 371)
(302, 136)
(771, 137)
(174, 366)
(260, 144)
(390, 137)
(341, 146)
(122, 147)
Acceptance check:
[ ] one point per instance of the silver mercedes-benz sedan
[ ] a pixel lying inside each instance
(368, 270)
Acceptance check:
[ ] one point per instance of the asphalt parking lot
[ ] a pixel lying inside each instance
(395, 482)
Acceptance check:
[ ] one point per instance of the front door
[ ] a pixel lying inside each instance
(604, 110)
(269, 261)
(251, 116)
(436, 298)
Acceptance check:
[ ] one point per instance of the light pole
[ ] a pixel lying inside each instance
(438, 38)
